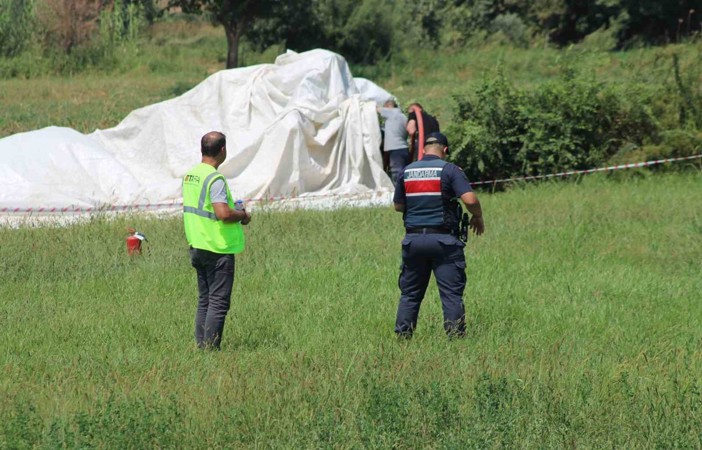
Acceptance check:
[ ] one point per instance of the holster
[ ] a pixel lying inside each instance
(463, 227)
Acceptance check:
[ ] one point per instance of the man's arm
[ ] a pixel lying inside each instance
(411, 127)
(229, 215)
(473, 205)
(219, 196)
(399, 207)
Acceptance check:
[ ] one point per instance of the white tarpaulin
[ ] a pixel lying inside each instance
(298, 127)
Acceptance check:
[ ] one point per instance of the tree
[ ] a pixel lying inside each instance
(236, 16)
(68, 24)
(16, 26)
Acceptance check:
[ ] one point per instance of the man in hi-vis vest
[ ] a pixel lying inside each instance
(427, 193)
(213, 227)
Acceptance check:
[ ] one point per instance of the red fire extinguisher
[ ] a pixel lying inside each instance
(134, 241)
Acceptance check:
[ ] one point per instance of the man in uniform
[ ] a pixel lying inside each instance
(213, 227)
(427, 193)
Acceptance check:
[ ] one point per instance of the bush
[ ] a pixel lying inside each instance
(66, 36)
(574, 122)
(513, 28)
(16, 26)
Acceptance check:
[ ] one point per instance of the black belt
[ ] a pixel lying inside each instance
(428, 231)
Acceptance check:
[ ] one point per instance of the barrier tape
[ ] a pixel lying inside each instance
(158, 206)
(599, 169)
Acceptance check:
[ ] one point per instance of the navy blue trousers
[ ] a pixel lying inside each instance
(215, 279)
(423, 254)
(398, 160)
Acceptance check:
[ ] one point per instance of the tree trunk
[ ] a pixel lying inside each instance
(233, 33)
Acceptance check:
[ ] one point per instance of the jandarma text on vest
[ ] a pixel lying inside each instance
(423, 173)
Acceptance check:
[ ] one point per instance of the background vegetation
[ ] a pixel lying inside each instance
(364, 31)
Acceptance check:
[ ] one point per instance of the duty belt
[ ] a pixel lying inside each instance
(428, 231)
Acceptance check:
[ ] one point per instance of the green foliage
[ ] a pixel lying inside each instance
(151, 9)
(122, 24)
(570, 123)
(512, 27)
(363, 31)
(690, 95)
(653, 21)
(110, 47)
(419, 23)
(368, 32)
(16, 26)
(237, 18)
(27, 65)
(299, 26)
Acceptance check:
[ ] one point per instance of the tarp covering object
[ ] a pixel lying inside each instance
(298, 127)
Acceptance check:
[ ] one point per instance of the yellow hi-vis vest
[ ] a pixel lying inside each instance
(202, 228)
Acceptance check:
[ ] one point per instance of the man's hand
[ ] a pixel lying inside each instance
(411, 128)
(473, 205)
(230, 215)
(476, 224)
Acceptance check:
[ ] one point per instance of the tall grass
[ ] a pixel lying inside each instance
(584, 331)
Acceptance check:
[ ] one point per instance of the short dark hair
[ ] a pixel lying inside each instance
(212, 143)
(436, 138)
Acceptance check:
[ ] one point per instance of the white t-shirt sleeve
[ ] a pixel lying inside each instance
(218, 191)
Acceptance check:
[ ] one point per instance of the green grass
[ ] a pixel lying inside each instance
(584, 331)
(583, 299)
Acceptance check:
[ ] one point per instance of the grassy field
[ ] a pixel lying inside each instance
(584, 312)
(585, 330)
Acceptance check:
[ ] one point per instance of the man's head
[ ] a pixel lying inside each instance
(415, 107)
(390, 103)
(213, 145)
(436, 144)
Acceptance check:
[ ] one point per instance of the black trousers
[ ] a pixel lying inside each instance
(215, 278)
(423, 254)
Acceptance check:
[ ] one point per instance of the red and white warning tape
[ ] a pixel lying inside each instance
(159, 206)
(153, 206)
(599, 169)
(89, 209)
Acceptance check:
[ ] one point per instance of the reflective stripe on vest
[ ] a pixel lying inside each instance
(424, 205)
(200, 211)
(202, 228)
